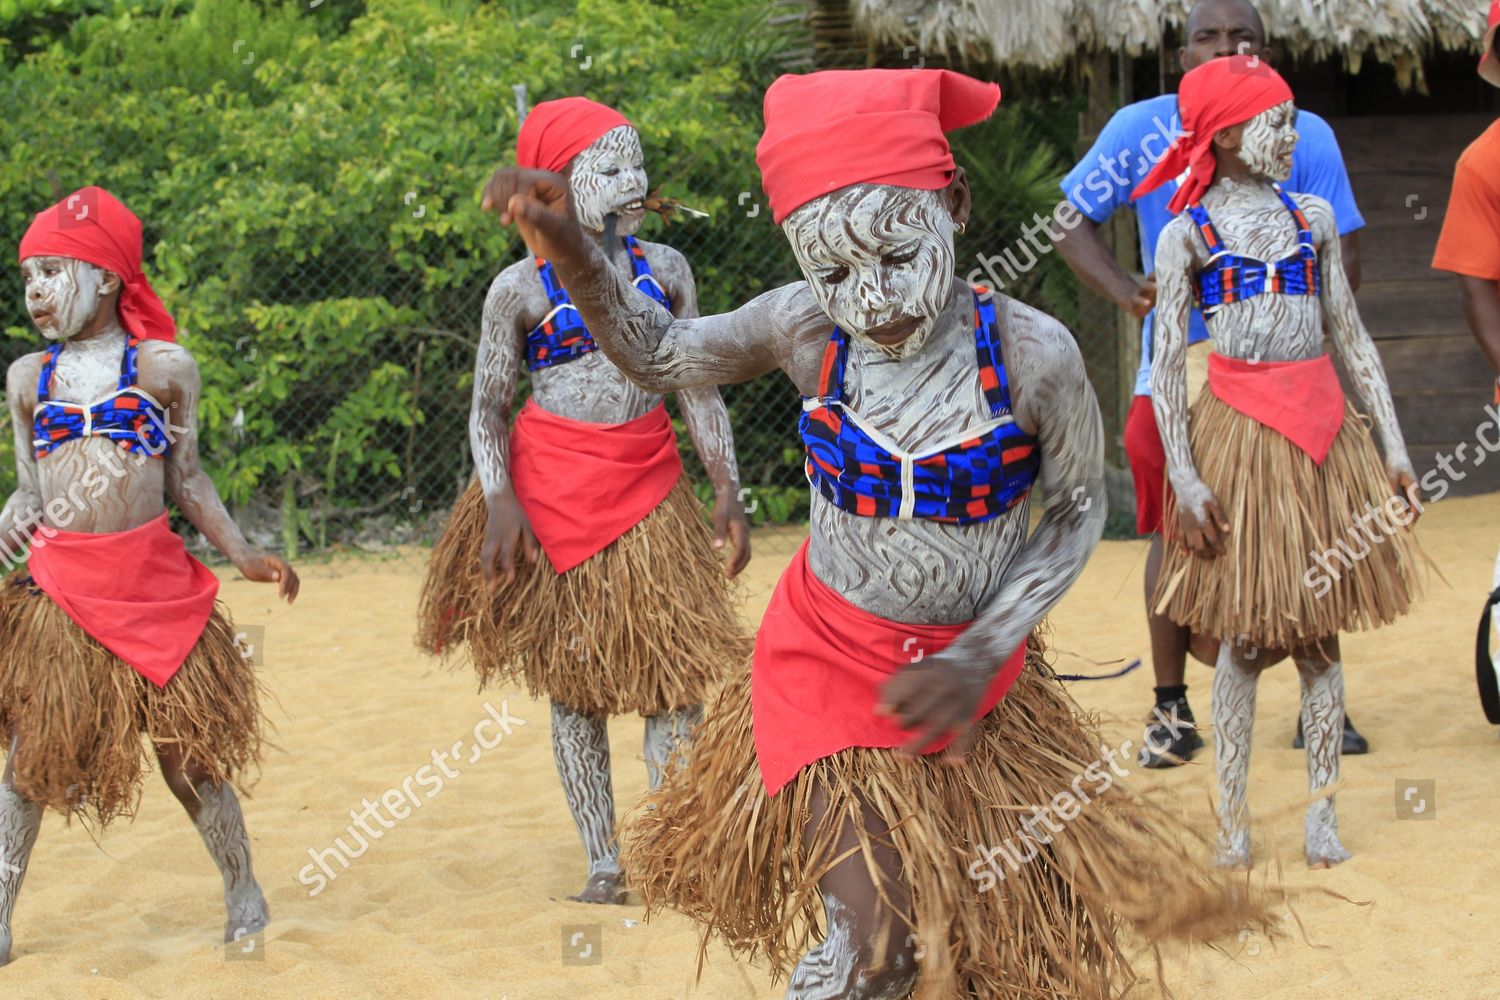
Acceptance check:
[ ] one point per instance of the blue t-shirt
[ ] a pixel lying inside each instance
(1129, 146)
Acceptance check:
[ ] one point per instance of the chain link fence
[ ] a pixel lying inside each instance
(372, 452)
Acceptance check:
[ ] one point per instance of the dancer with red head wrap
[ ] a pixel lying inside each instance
(620, 605)
(111, 631)
(1275, 476)
(899, 763)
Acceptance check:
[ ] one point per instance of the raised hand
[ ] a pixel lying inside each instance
(537, 203)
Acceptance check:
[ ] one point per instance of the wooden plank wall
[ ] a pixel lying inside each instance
(1401, 168)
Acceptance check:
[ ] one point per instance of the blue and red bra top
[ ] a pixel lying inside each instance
(1231, 277)
(129, 416)
(561, 336)
(971, 478)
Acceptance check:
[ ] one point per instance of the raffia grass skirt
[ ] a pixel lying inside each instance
(711, 844)
(646, 625)
(1284, 510)
(79, 711)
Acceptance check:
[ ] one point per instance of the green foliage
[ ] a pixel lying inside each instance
(273, 167)
(309, 177)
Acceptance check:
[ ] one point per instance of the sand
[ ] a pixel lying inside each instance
(465, 897)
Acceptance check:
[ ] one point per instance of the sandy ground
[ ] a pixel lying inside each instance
(465, 897)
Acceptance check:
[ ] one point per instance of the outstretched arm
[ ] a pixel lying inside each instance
(654, 349)
(941, 693)
(707, 422)
(1350, 339)
(23, 511)
(1202, 521)
(193, 491)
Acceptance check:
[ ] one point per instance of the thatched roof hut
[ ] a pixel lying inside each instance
(1046, 33)
(1436, 372)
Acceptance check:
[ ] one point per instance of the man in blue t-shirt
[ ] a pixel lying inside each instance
(1130, 144)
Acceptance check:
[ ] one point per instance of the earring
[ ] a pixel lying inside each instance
(961, 228)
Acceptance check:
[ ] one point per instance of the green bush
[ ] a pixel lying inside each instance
(309, 180)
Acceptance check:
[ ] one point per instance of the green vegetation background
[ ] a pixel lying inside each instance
(308, 177)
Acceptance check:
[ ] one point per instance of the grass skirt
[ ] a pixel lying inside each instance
(1284, 511)
(646, 625)
(713, 845)
(80, 711)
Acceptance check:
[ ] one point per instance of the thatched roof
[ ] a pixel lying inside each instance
(1045, 33)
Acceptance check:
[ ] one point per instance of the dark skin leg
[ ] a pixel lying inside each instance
(1171, 642)
(215, 811)
(868, 953)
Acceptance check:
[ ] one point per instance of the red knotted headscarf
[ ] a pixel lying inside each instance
(1217, 95)
(828, 130)
(93, 225)
(556, 131)
(1489, 66)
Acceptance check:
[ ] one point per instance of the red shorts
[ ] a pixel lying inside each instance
(1148, 465)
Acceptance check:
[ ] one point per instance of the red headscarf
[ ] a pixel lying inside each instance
(93, 225)
(1489, 66)
(556, 131)
(828, 130)
(1216, 95)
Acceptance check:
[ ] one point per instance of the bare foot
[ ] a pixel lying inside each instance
(4, 947)
(603, 887)
(247, 915)
(1233, 853)
(1321, 835)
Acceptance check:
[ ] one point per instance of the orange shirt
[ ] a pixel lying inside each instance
(1470, 241)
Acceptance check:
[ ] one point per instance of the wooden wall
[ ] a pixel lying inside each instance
(1401, 168)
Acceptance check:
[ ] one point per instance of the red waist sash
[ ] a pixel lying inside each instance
(818, 668)
(582, 484)
(1302, 400)
(138, 592)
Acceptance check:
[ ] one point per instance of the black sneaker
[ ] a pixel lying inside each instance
(1354, 743)
(1171, 736)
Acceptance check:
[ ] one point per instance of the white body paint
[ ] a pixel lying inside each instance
(879, 257)
(90, 484)
(1252, 221)
(608, 177)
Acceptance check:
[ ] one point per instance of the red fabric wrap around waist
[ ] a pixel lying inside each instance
(583, 485)
(138, 592)
(1301, 400)
(818, 667)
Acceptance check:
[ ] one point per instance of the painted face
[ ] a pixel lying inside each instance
(609, 175)
(62, 294)
(1268, 140)
(879, 260)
